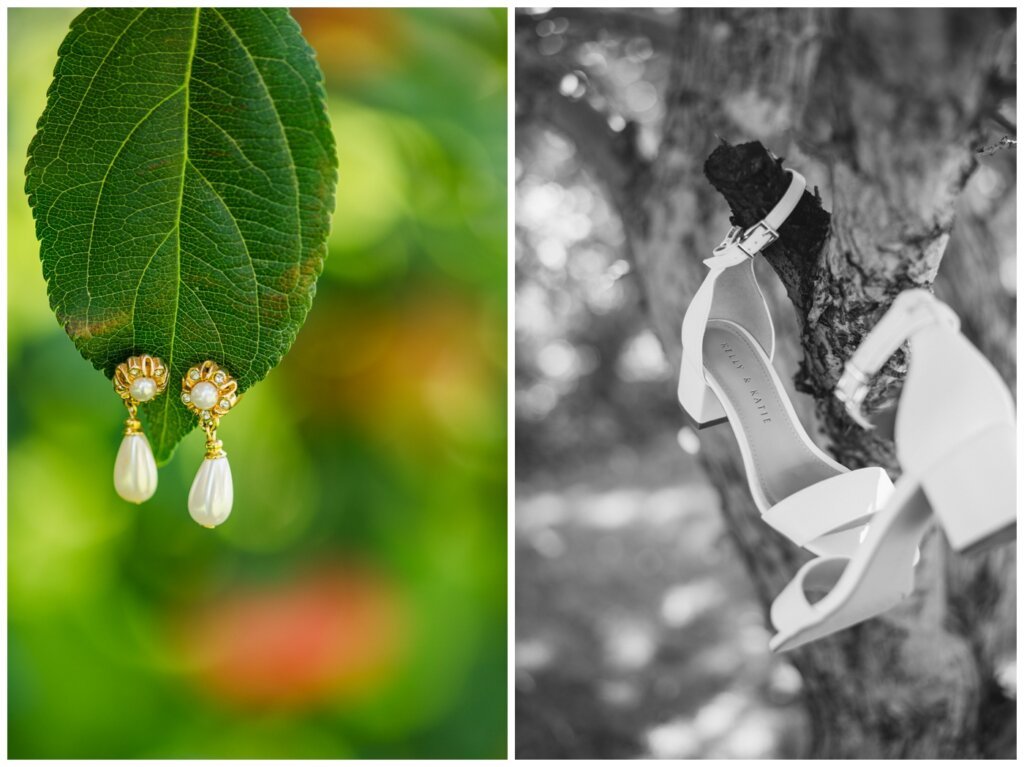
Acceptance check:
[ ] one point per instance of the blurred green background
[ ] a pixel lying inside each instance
(355, 603)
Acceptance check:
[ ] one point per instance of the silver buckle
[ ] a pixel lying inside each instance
(762, 236)
(852, 390)
(750, 242)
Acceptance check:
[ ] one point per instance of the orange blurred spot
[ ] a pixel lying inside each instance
(330, 635)
(400, 368)
(351, 43)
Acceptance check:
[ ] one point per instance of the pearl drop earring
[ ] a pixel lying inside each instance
(209, 391)
(139, 379)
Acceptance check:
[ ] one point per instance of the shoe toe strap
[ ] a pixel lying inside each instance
(793, 608)
(828, 517)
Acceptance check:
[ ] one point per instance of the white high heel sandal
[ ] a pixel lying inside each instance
(726, 373)
(955, 438)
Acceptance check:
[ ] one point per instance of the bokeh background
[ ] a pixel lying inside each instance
(638, 633)
(355, 603)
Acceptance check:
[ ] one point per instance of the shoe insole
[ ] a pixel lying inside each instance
(784, 460)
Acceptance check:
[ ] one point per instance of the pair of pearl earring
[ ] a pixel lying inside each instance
(209, 392)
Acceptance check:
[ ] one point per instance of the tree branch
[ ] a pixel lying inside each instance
(752, 182)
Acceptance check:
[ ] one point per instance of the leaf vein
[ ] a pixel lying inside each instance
(280, 123)
(103, 184)
(213, 323)
(248, 255)
(88, 88)
(181, 199)
(135, 299)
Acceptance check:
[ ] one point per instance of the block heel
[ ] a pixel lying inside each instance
(700, 404)
(972, 490)
(956, 440)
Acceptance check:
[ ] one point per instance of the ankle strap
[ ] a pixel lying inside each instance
(910, 312)
(741, 244)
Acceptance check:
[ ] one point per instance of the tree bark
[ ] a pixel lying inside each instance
(867, 103)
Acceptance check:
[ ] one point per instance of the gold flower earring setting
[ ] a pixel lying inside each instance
(139, 379)
(209, 391)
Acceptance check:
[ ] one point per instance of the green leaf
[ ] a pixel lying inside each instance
(182, 180)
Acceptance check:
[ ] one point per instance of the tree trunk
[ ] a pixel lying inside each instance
(891, 121)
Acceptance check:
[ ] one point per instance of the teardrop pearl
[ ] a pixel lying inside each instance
(135, 469)
(209, 500)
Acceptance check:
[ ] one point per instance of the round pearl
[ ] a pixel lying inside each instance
(204, 395)
(143, 389)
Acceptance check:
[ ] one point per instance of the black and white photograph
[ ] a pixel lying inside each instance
(765, 432)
